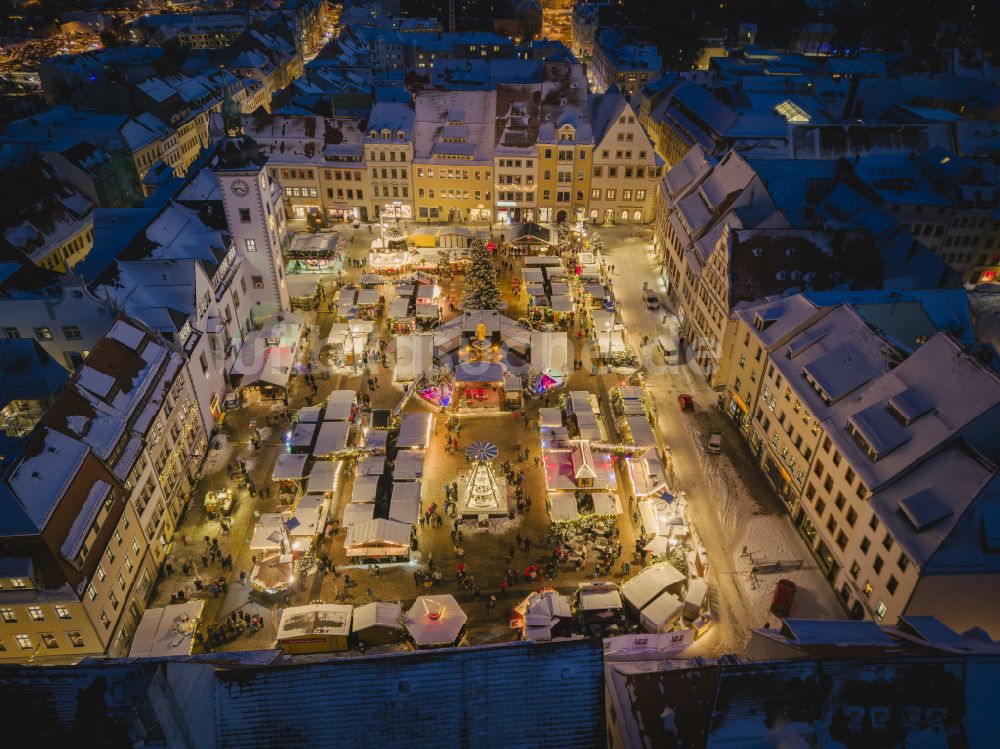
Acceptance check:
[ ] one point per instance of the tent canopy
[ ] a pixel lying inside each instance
(435, 620)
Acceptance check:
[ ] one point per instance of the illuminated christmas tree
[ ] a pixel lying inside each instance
(481, 288)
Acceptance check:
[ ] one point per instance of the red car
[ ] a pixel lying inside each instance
(784, 596)
(686, 402)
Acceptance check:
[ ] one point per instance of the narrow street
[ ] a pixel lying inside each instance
(724, 491)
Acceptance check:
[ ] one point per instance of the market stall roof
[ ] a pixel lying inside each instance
(367, 297)
(559, 288)
(648, 476)
(428, 310)
(372, 465)
(371, 279)
(406, 490)
(356, 513)
(612, 342)
(435, 620)
(268, 355)
(365, 488)
(409, 465)
(532, 275)
(321, 242)
(323, 475)
(537, 261)
(561, 303)
(542, 609)
(564, 507)
(512, 382)
(641, 431)
(289, 467)
(663, 610)
(560, 471)
(606, 503)
(602, 319)
(310, 414)
(550, 417)
(428, 291)
(596, 290)
(314, 619)
(305, 521)
(404, 509)
(302, 435)
(650, 583)
(588, 426)
(269, 533)
(486, 372)
(301, 284)
(339, 405)
(414, 431)
(376, 614)
(529, 233)
(272, 366)
(376, 440)
(414, 355)
(332, 438)
(166, 631)
(378, 537)
(399, 308)
(535, 289)
(599, 596)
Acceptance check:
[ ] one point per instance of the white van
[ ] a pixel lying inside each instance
(651, 299)
(668, 347)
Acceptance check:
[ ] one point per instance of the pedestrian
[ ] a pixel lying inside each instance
(204, 560)
(243, 577)
(170, 568)
(184, 539)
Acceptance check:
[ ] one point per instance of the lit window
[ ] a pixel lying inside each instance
(62, 612)
(792, 112)
(879, 610)
(36, 613)
(24, 641)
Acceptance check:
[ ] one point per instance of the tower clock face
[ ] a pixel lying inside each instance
(240, 188)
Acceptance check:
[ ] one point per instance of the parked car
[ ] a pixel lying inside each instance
(784, 596)
(652, 301)
(686, 402)
(714, 445)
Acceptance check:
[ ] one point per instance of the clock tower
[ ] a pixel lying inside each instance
(254, 213)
